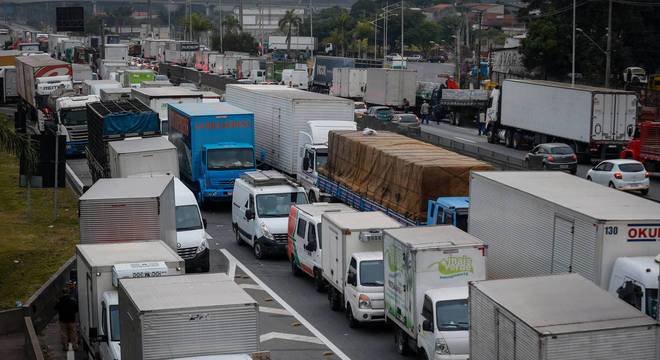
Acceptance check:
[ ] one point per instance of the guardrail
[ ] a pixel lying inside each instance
(76, 184)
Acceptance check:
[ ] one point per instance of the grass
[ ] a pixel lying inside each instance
(31, 250)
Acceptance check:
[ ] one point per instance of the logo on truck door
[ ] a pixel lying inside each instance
(454, 266)
(643, 232)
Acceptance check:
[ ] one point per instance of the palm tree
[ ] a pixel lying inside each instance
(231, 24)
(198, 23)
(341, 21)
(286, 23)
(21, 146)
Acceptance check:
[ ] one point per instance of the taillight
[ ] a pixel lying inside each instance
(551, 158)
(573, 157)
(618, 175)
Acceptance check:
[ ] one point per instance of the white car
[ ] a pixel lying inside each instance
(628, 175)
(360, 109)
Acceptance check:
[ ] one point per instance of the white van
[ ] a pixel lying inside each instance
(260, 210)
(191, 237)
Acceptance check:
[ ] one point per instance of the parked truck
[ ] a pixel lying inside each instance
(323, 71)
(133, 78)
(541, 223)
(460, 106)
(94, 87)
(427, 271)
(594, 121)
(115, 94)
(645, 145)
(352, 262)
(215, 145)
(8, 86)
(556, 317)
(99, 266)
(109, 69)
(389, 87)
(142, 157)
(202, 315)
(71, 116)
(115, 52)
(8, 57)
(158, 99)
(280, 113)
(349, 82)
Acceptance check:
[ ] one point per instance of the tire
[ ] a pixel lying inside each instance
(644, 192)
(400, 341)
(490, 136)
(239, 241)
(611, 185)
(573, 172)
(319, 284)
(508, 139)
(295, 270)
(333, 299)
(589, 178)
(516, 140)
(352, 323)
(258, 250)
(527, 164)
(545, 167)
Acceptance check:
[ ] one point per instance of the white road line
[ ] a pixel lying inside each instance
(467, 140)
(231, 267)
(340, 354)
(250, 286)
(293, 337)
(276, 311)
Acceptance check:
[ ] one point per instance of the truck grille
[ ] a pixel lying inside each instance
(281, 238)
(222, 184)
(187, 253)
(78, 133)
(377, 304)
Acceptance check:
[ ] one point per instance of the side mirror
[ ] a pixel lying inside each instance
(305, 163)
(311, 246)
(427, 325)
(93, 333)
(204, 223)
(249, 214)
(351, 278)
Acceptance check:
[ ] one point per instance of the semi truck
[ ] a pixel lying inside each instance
(459, 105)
(427, 271)
(280, 113)
(99, 266)
(115, 94)
(389, 87)
(71, 115)
(645, 145)
(594, 121)
(542, 223)
(215, 146)
(352, 263)
(158, 99)
(115, 52)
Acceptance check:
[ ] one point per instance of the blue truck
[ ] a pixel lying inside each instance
(215, 145)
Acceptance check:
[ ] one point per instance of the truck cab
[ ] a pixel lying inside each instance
(71, 112)
(313, 153)
(445, 328)
(109, 336)
(221, 165)
(363, 291)
(450, 210)
(635, 281)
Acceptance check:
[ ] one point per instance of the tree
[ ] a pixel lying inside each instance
(121, 15)
(198, 23)
(542, 49)
(21, 146)
(286, 23)
(341, 23)
(93, 25)
(235, 41)
(231, 25)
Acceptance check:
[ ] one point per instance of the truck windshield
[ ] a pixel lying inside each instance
(74, 117)
(187, 218)
(652, 302)
(278, 205)
(230, 159)
(452, 315)
(321, 159)
(114, 322)
(371, 273)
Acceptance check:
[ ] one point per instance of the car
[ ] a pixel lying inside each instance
(621, 174)
(415, 57)
(360, 109)
(552, 156)
(408, 123)
(382, 113)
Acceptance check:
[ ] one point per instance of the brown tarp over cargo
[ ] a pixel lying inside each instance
(396, 171)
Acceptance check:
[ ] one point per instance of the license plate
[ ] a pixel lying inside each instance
(563, 166)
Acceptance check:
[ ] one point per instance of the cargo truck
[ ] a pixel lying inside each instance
(280, 113)
(99, 267)
(645, 145)
(560, 317)
(115, 120)
(541, 223)
(427, 271)
(594, 121)
(195, 315)
(349, 82)
(142, 157)
(71, 115)
(132, 78)
(8, 87)
(323, 71)
(94, 87)
(8, 57)
(158, 98)
(115, 94)
(389, 87)
(215, 145)
(115, 52)
(352, 262)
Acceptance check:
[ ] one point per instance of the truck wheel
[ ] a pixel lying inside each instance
(333, 298)
(294, 268)
(352, 323)
(508, 139)
(319, 285)
(401, 341)
(258, 250)
(644, 192)
(239, 241)
(516, 140)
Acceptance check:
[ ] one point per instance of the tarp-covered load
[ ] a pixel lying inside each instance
(396, 171)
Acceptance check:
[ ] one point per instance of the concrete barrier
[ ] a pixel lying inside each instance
(12, 321)
(32, 345)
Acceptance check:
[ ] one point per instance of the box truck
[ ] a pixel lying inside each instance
(115, 94)
(594, 121)
(323, 71)
(99, 266)
(158, 98)
(349, 82)
(389, 87)
(142, 157)
(109, 69)
(94, 87)
(427, 270)
(8, 87)
(194, 315)
(132, 78)
(560, 317)
(115, 52)
(128, 209)
(280, 113)
(352, 263)
(8, 57)
(541, 223)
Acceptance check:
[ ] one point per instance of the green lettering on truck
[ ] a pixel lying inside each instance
(454, 266)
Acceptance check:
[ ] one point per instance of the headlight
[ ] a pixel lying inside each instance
(441, 347)
(267, 233)
(202, 246)
(364, 302)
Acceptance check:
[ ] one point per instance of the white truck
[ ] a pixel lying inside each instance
(8, 87)
(94, 87)
(109, 69)
(349, 82)
(82, 72)
(115, 53)
(246, 65)
(99, 266)
(389, 87)
(313, 153)
(594, 121)
(71, 113)
(280, 113)
(223, 64)
(559, 317)
(541, 223)
(427, 270)
(188, 316)
(158, 98)
(142, 157)
(295, 78)
(304, 43)
(128, 209)
(352, 261)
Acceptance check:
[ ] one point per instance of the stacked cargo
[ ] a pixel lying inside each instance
(396, 171)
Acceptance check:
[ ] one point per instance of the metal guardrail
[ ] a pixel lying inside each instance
(76, 184)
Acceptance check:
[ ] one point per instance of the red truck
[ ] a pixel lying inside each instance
(645, 145)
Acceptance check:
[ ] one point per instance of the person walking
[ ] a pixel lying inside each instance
(424, 111)
(67, 308)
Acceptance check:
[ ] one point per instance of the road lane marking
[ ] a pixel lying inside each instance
(292, 337)
(340, 354)
(275, 311)
(250, 286)
(467, 140)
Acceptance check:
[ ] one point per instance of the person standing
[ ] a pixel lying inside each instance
(67, 308)
(406, 105)
(424, 111)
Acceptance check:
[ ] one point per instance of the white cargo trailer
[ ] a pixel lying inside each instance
(94, 87)
(280, 113)
(128, 209)
(142, 157)
(157, 99)
(98, 267)
(115, 52)
(388, 87)
(186, 316)
(541, 223)
(348, 82)
(560, 317)
(115, 94)
(8, 78)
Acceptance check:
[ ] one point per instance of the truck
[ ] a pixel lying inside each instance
(94, 87)
(215, 146)
(111, 121)
(213, 313)
(459, 105)
(555, 317)
(295, 78)
(71, 116)
(594, 121)
(109, 69)
(451, 210)
(115, 94)
(427, 271)
(349, 82)
(65, 49)
(352, 262)
(245, 66)
(128, 209)
(142, 157)
(313, 150)
(323, 71)
(158, 98)
(8, 57)
(82, 72)
(99, 267)
(304, 43)
(280, 113)
(389, 87)
(8, 86)
(223, 64)
(133, 78)
(155, 48)
(115, 52)
(53, 40)
(645, 145)
(542, 223)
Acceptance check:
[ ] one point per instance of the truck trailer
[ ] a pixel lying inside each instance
(349, 82)
(158, 98)
(8, 86)
(389, 87)
(142, 157)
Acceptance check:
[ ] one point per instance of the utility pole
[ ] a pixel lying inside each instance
(221, 29)
(311, 26)
(573, 59)
(458, 54)
(376, 38)
(151, 24)
(608, 58)
(402, 34)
